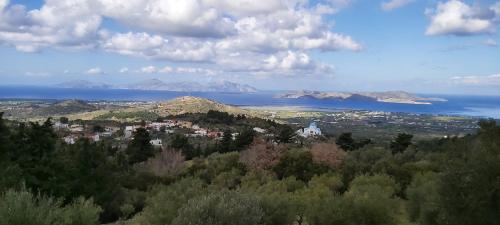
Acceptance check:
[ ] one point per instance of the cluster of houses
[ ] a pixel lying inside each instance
(76, 131)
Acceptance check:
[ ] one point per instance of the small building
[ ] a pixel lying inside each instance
(60, 126)
(310, 131)
(70, 140)
(156, 142)
(259, 130)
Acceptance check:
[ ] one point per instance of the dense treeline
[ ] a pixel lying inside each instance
(445, 181)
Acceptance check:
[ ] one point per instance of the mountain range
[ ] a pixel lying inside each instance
(401, 97)
(158, 85)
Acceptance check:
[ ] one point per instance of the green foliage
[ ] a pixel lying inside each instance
(346, 142)
(226, 144)
(470, 185)
(299, 164)
(139, 149)
(285, 134)
(181, 142)
(123, 115)
(219, 117)
(244, 138)
(423, 199)
(221, 208)
(22, 207)
(401, 143)
(64, 120)
(162, 206)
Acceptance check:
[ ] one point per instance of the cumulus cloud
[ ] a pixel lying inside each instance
(455, 17)
(394, 4)
(94, 71)
(228, 35)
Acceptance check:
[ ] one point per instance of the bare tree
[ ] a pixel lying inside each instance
(168, 162)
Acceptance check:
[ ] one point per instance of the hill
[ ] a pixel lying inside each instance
(64, 108)
(189, 104)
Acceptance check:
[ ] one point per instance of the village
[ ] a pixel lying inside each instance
(71, 131)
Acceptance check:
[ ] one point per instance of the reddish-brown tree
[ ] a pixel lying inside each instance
(261, 155)
(328, 154)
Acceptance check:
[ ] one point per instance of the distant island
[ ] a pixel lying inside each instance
(158, 85)
(400, 97)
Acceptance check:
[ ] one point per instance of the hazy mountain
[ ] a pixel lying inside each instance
(84, 84)
(388, 96)
(156, 84)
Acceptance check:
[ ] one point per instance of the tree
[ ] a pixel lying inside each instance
(244, 138)
(221, 208)
(22, 207)
(299, 164)
(64, 120)
(401, 143)
(346, 142)
(327, 154)
(162, 206)
(226, 144)
(168, 162)
(98, 129)
(423, 199)
(181, 142)
(140, 148)
(261, 155)
(285, 134)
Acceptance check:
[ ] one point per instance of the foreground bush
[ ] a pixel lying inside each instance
(224, 208)
(22, 208)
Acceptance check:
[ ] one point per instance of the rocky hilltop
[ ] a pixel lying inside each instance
(400, 97)
(189, 104)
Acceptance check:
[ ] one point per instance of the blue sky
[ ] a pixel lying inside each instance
(447, 46)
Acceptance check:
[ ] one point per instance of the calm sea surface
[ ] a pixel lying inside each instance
(482, 106)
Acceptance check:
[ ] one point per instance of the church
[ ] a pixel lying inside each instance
(310, 131)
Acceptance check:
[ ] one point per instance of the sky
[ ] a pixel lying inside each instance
(421, 46)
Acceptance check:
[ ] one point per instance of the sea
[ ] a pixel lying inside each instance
(463, 105)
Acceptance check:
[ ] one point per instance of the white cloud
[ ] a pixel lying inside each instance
(37, 74)
(157, 47)
(490, 42)
(3, 4)
(166, 69)
(489, 80)
(224, 34)
(123, 70)
(70, 24)
(94, 71)
(455, 17)
(394, 4)
(148, 69)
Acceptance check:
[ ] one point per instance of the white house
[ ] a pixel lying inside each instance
(259, 130)
(310, 131)
(69, 140)
(156, 142)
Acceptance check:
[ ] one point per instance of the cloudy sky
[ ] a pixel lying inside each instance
(425, 46)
